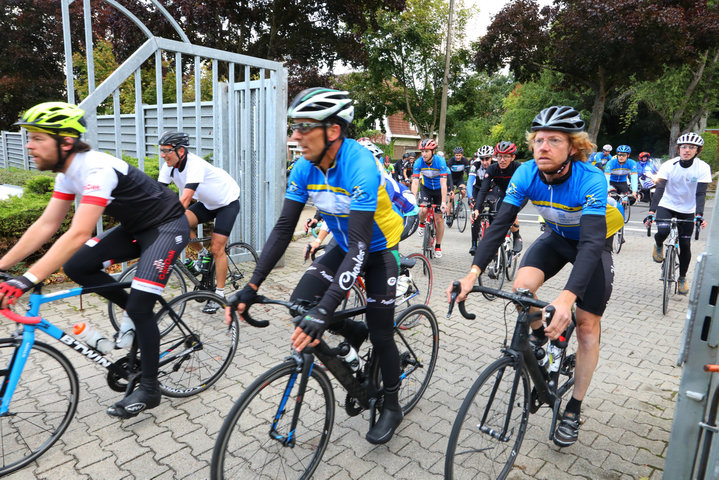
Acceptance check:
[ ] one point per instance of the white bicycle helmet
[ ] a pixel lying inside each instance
(607, 148)
(486, 151)
(319, 103)
(369, 145)
(690, 138)
(559, 117)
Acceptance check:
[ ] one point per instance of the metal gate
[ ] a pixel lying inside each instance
(243, 128)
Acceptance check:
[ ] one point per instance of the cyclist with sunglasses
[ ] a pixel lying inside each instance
(620, 169)
(432, 171)
(216, 192)
(572, 197)
(345, 182)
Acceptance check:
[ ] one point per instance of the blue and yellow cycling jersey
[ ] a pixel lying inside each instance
(562, 205)
(430, 174)
(354, 182)
(619, 172)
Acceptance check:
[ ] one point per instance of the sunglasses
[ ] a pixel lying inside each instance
(485, 159)
(165, 151)
(305, 127)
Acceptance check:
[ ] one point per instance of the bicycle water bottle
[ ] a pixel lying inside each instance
(204, 259)
(350, 357)
(555, 357)
(193, 266)
(93, 338)
(541, 354)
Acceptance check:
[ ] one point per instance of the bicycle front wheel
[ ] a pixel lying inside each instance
(418, 347)
(427, 247)
(618, 240)
(241, 263)
(461, 219)
(490, 424)
(667, 277)
(42, 405)
(627, 212)
(257, 438)
(198, 347)
(176, 286)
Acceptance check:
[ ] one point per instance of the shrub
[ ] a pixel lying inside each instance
(39, 185)
(709, 152)
(16, 176)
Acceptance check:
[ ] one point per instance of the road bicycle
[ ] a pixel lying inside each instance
(492, 421)
(281, 425)
(503, 264)
(241, 262)
(670, 264)
(40, 388)
(430, 232)
(458, 215)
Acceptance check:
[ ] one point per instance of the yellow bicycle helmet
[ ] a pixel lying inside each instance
(54, 118)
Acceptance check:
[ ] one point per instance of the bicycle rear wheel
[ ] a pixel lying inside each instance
(461, 215)
(418, 347)
(176, 286)
(427, 244)
(490, 424)
(419, 288)
(198, 348)
(627, 212)
(253, 440)
(241, 263)
(667, 277)
(493, 275)
(42, 406)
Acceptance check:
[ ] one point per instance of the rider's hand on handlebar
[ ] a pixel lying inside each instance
(466, 283)
(562, 316)
(13, 288)
(700, 220)
(443, 207)
(649, 219)
(243, 299)
(310, 329)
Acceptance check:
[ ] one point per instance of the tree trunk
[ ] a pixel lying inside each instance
(676, 129)
(600, 99)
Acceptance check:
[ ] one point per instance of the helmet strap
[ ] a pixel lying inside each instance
(563, 171)
(183, 158)
(62, 156)
(328, 144)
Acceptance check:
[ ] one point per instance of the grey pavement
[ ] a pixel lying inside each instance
(628, 409)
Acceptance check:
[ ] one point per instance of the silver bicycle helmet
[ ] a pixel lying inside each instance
(486, 151)
(561, 118)
(322, 104)
(369, 145)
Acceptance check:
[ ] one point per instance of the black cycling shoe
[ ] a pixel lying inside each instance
(473, 249)
(389, 420)
(145, 397)
(567, 431)
(517, 245)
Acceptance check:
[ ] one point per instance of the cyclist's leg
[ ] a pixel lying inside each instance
(663, 226)
(381, 267)
(438, 219)
(685, 230)
(193, 221)
(224, 221)
(86, 266)
(161, 245)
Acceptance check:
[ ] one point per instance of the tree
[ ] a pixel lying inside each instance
(595, 44)
(405, 63)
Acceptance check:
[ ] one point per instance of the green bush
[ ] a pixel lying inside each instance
(16, 176)
(39, 185)
(709, 152)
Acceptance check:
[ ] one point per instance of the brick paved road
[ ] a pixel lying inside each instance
(628, 409)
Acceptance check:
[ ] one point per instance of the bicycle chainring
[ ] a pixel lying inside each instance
(352, 406)
(117, 382)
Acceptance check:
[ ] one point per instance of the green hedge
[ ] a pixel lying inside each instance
(709, 152)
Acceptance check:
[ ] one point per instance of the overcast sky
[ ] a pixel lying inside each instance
(487, 10)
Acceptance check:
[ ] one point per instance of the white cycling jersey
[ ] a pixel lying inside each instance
(681, 189)
(216, 188)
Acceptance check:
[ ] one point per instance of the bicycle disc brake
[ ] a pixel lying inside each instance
(118, 382)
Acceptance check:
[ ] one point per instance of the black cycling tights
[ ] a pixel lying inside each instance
(685, 230)
(380, 276)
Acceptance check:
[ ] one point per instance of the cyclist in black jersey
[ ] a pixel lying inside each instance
(152, 227)
(498, 175)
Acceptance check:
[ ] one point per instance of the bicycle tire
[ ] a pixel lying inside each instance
(241, 268)
(251, 418)
(42, 406)
(176, 285)
(197, 349)
(667, 272)
(461, 217)
(627, 212)
(494, 273)
(418, 347)
(675, 270)
(511, 262)
(420, 285)
(618, 240)
(478, 454)
(427, 247)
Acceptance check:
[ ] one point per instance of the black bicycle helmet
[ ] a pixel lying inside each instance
(458, 150)
(561, 118)
(176, 139)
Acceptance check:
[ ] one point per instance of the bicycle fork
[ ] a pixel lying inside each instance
(304, 370)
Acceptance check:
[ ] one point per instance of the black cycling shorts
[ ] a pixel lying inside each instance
(428, 196)
(224, 216)
(551, 252)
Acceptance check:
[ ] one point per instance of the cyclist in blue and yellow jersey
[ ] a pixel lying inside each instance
(600, 159)
(647, 168)
(571, 195)
(431, 171)
(345, 182)
(620, 169)
(152, 227)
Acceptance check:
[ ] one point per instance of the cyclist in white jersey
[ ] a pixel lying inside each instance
(216, 192)
(680, 192)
